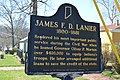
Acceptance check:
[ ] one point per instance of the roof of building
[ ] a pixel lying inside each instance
(117, 29)
(24, 39)
(110, 27)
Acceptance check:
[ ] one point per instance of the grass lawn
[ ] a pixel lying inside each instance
(20, 75)
(10, 60)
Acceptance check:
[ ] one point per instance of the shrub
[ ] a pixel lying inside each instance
(14, 49)
(9, 52)
(114, 61)
(105, 58)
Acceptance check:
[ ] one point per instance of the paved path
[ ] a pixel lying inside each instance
(97, 77)
(12, 68)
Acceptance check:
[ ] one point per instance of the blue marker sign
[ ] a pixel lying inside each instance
(63, 42)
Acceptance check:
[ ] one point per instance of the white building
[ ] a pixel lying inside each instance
(24, 44)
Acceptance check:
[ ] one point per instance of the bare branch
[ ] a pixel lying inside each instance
(111, 9)
(13, 22)
(23, 8)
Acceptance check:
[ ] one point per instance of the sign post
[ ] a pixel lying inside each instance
(63, 43)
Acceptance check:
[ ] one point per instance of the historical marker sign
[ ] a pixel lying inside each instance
(63, 42)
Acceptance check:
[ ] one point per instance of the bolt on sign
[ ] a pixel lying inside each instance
(63, 42)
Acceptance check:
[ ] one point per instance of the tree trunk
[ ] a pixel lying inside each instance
(34, 7)
(12, 27)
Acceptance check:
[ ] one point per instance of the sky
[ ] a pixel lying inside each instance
(86, 9)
